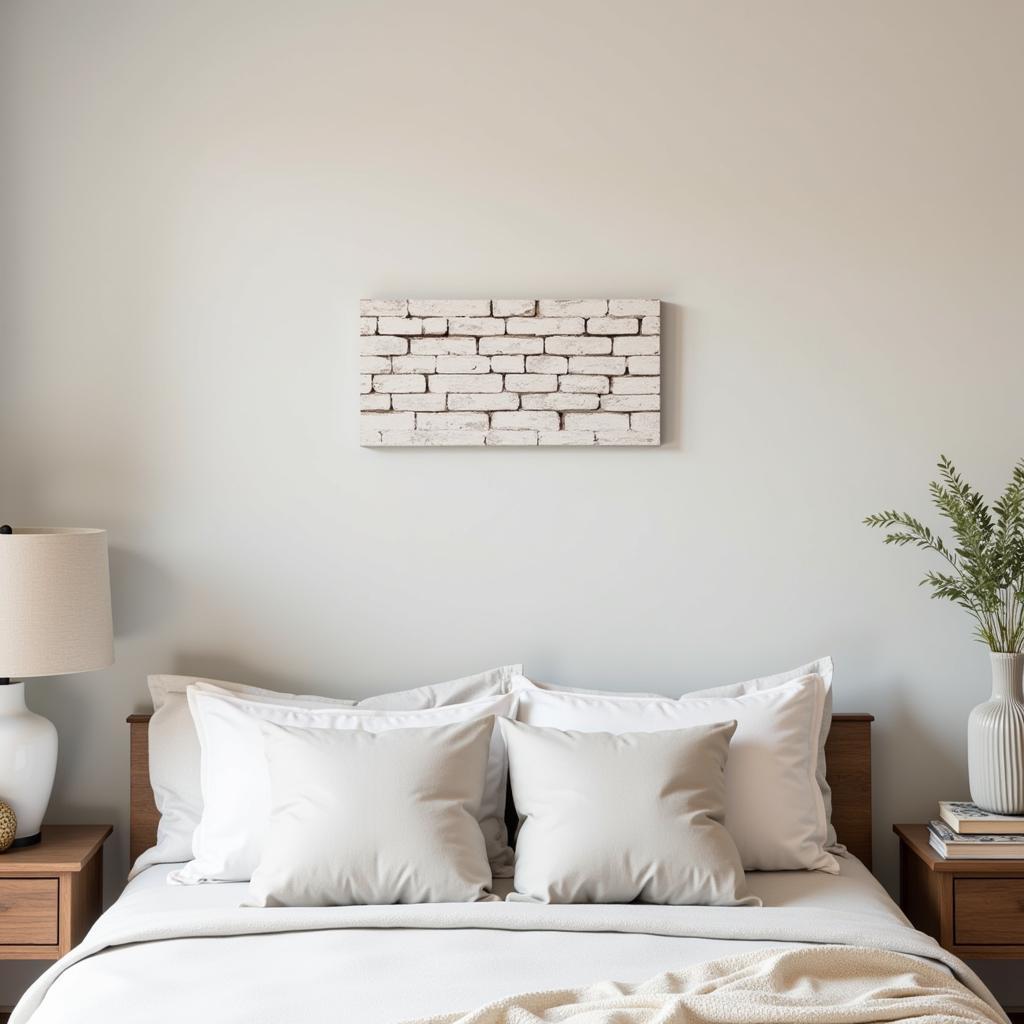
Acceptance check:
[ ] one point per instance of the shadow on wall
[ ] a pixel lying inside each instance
(142, 593)
(903, 727)
(217, 665)
(671, 375)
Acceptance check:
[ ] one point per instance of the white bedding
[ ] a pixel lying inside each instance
(164, 953)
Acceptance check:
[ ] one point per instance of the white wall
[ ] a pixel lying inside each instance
(195, 195)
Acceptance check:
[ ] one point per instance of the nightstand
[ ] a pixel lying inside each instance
(51, 893)
(974, 908)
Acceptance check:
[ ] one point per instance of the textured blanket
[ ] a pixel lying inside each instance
(813, 985)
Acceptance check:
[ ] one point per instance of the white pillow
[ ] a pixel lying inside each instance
(229, 839)
(575, 689)
(774, 807)
(822, 667)
(174, 761)
(615, 818)
(373, 818)
(174, 747)
(456, 691)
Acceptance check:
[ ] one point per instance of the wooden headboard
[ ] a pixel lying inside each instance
(848, 753)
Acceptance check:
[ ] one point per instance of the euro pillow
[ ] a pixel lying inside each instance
(373, 818)
(491, 683)
(228, 841)
(822, 667)
(774, 808)
(608, 818)
(174, 760)
(174, 747)
(575, 689)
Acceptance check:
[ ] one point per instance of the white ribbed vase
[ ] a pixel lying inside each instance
(995, 740)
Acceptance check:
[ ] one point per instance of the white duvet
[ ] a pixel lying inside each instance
(163, 954)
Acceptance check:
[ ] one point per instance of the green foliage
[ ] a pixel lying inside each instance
(985, 567)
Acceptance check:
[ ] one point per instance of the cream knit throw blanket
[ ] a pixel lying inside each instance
(810, 985)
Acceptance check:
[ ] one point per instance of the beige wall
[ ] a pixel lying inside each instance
(195, 195)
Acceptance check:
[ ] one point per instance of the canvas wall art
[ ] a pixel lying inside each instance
(510, 372)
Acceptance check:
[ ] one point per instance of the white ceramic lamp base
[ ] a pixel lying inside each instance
(28, 762)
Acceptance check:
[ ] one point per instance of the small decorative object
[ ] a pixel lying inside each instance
(510, 372)
(54, 619)
(985, 576)
(8, 826)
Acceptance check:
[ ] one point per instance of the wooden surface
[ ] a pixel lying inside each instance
(848, 754)
(144, 817)
(81, 900)
(28, 911)
(974, 908)
(848, 760)
(51, 893)
(916, 836)
(988, 910)
(63, 848)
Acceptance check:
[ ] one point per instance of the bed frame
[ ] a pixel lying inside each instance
(848, 753)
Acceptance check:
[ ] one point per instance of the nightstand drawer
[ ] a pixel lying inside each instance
(28, 911)
(988, 911)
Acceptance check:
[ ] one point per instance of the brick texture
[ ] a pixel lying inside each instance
(526, 372)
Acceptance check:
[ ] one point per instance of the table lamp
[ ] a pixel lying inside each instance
(54, 619)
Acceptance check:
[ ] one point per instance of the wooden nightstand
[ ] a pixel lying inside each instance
(974, 908)
(51, 893)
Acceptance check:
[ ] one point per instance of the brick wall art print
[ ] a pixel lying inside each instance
(510, 372)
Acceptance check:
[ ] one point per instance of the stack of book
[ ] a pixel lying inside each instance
(968, 832)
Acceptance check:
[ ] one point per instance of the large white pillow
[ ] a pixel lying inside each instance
(774, 807)
(174, 747)
(228, 841)
(822, 667)
(174, 760)
(608, 818)
(454, 691)
(594, 693)
(373, 818)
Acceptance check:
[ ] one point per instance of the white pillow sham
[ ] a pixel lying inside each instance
(608, 818)
(363, 818)
(593, 693)
(174, 760)
(174, 747)
(822, 667)
(228, 841)
(774, 807)
(438, 695)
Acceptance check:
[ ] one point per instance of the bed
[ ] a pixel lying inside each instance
(166, 954)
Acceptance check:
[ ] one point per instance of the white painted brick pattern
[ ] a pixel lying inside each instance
(526, 372)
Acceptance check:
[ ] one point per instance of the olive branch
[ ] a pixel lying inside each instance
(984, 571)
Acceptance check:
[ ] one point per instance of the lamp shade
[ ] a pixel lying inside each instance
(54, 602)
